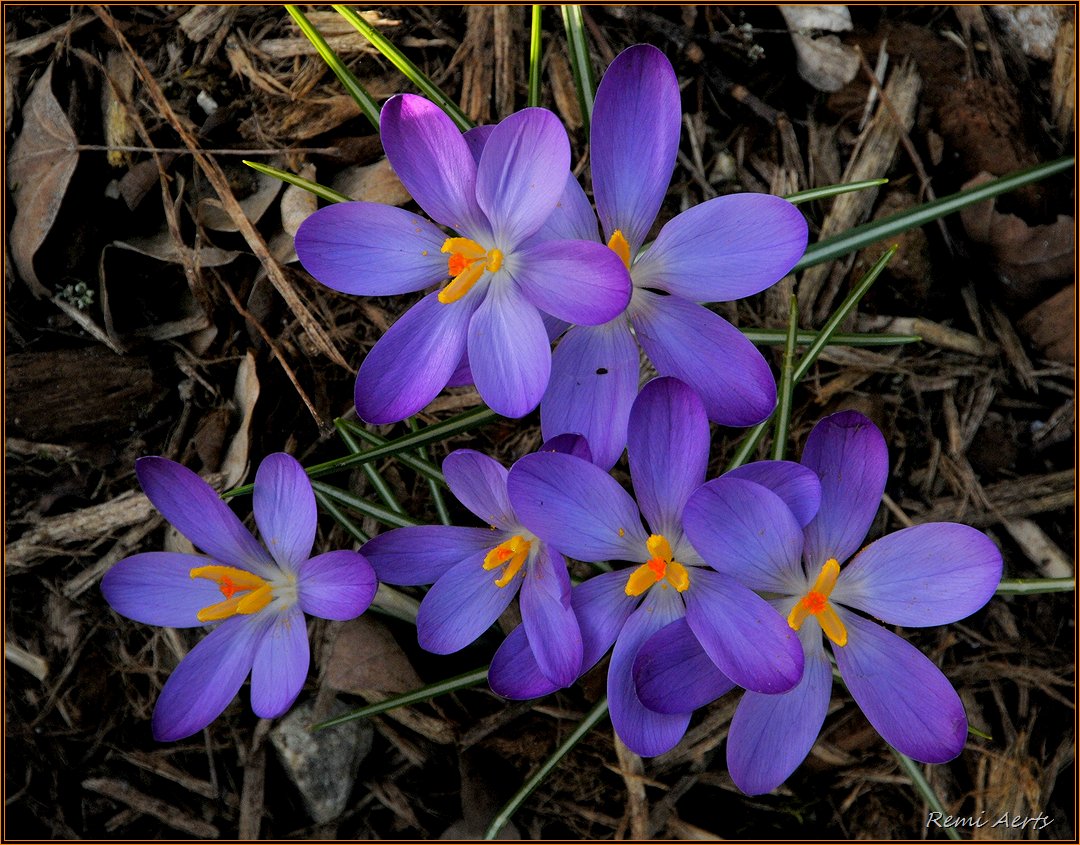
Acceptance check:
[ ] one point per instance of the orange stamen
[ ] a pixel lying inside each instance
(816, 603)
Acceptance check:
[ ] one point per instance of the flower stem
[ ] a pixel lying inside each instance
(787, 384)
(580, 63)
(922, 786)
(350, 500)
(377, 481)
(436, 491)
(1035, 586)
(535, 57)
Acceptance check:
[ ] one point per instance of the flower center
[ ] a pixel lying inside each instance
(620, 246)
(816, 603)
(510, 553)
(244, 592)
(467, 263)
(659, 567)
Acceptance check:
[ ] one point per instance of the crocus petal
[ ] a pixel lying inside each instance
(573, 218)
(673, 673)
(207, 679)
(370, 249)
(668, 447)
(771, 735)
(745, 637)
(850, 457)
(461, 605)
(644, 731)
(424, 553)
(336, 585)
(195, 510)
(522, 174)
(476, 138)
(568, 444)
(514, 672)
(602, 608)
(433, 162)
(594, 379)
(281, 665)
(725, 248)
(582, 282)
(413, 361)
(577, 507)
(906, 698)
(549, 621)
(509, 352)
(462, 376)
(688, 341)
(479, 483)
(746, 532)
(797, 486)
(285, 510)
(636, 121)
(930, 574)
(156, 588)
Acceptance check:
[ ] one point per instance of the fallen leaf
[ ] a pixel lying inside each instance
(366, 658)
(40, 166)
(163, 247)
(297, 204)
(245, 394)
(824, 61)
(1051, 326)
(213, 216)
(372, 183)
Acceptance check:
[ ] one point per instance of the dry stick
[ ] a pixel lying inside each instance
(217, 178)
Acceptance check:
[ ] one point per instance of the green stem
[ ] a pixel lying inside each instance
(503, 816)
(580, 63)
(922, 786)
(787, 383)
(535, 57)
(469, 679)
(433, 486)
(425, 468)
(350, 500)
(1035, 586)
(804, 337)
(330, 506)
(377, 481)
(321, 191)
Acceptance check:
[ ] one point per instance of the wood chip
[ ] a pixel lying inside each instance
(1010, 499)
(163, 811)
(32, 663)
(1049, 560)
(637, 804)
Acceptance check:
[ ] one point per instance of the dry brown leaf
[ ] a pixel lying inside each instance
(245, 394)
(163, 247)
(213, 216)
(1051, 326)
(40, 166)
(366, 658)
(823, 61)
(297, 204)
(372, 183)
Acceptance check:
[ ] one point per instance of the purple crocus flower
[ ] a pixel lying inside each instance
(476, 572)
(929, 574)
(723, 249)
(258, 596)
(580, 509)
(495, 199)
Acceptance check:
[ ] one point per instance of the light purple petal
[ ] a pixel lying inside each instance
(509, 352)
(522, 173)
(576, 507)
(602, 608)
(673, 673)
(771, 735)
(195, 510)
(568, 444)
(725, 248)
(850, 457)
(582, 282)
(636, 121)
(906, 698)
(285, 510)
(414, 360)
(462, 376)
(433, 162)
(370, 249)
(424, 553)
(668, 448)
(746, 532)
(573, 218)
(479, 483)
(156, 588)
(594, 379)
(930, 574)
(797, 486)
(476, 138)
(549, 621)
(461, 605)
(207, 679)
(688, 341)
(644, 731)
(514, 672)
(281, 664)
(745, 637)
(336, 585)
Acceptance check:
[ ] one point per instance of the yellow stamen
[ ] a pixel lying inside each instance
(659, 567)
(816, 603)
(512, 553)
(620, 246)
(466, 264)
(244, 592)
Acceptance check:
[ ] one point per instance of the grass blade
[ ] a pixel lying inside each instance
(399, 60)
(350, 83)
(832, 190)
(503, 816)
(580, 63)
(425, 468)
(328, 504)
(787, 384)
(321, 191)
(460, 682)
(804, 337)
(377, 481)
(436, 491)
(391, 602)
(886, 227)
(535, 57)
(922, 786)
(351, 500)
(1035, 586)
